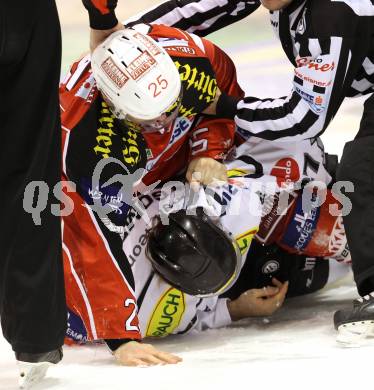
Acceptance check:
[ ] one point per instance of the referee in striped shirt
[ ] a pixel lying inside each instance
(331, 46)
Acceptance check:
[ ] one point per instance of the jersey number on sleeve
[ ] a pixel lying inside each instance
(198, 145)
(128, 324)
(310, 164)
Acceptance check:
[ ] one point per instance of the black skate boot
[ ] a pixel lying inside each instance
(357, 323)
(34, 366)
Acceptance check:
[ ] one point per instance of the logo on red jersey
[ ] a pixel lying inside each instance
(286, 171)
(181, 49)
(198, 79)
(87, 90)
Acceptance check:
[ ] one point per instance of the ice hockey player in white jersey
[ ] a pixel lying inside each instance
(261, 170)
(176, 304)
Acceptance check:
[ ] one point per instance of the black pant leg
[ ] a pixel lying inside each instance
(32, 298)
(357, 166)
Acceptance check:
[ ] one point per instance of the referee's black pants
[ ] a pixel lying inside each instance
(357, 166)
(32, 298)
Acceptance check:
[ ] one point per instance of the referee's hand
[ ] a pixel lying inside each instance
(98, 36)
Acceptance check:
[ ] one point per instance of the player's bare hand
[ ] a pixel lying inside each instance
(98, 36)
(206, 171)
(140, 354)
(258, 302)
(211, 109)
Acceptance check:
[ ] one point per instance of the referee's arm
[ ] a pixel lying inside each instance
(322, 76)
(201, 17)
(103, 20)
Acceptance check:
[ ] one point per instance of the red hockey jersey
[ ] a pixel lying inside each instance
(99, 281)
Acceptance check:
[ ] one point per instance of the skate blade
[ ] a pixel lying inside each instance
(32, 373)
(356, 334)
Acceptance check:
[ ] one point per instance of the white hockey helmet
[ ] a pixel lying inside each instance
(138, 79)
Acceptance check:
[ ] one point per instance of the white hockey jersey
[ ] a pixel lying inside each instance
(162, 309)
(259, 166)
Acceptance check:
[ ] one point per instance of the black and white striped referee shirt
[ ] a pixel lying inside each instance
(329, 42)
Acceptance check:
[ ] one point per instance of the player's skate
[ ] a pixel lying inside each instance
(33, 366)
(356, 324)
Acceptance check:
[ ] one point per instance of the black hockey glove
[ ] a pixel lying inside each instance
(101, 13)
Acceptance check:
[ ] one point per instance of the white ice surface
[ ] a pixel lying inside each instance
(295, 350)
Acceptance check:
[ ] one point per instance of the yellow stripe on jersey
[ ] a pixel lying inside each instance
(238, 172)
(244, 240)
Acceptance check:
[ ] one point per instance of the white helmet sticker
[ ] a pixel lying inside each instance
(114, 73)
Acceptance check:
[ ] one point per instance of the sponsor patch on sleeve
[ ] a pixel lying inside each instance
(167, 314)
(301, 228)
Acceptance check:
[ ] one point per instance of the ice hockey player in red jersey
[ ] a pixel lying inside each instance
(160, 130)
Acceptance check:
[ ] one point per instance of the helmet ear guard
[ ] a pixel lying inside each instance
(193, 254)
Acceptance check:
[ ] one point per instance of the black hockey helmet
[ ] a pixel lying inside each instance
(193, 254)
